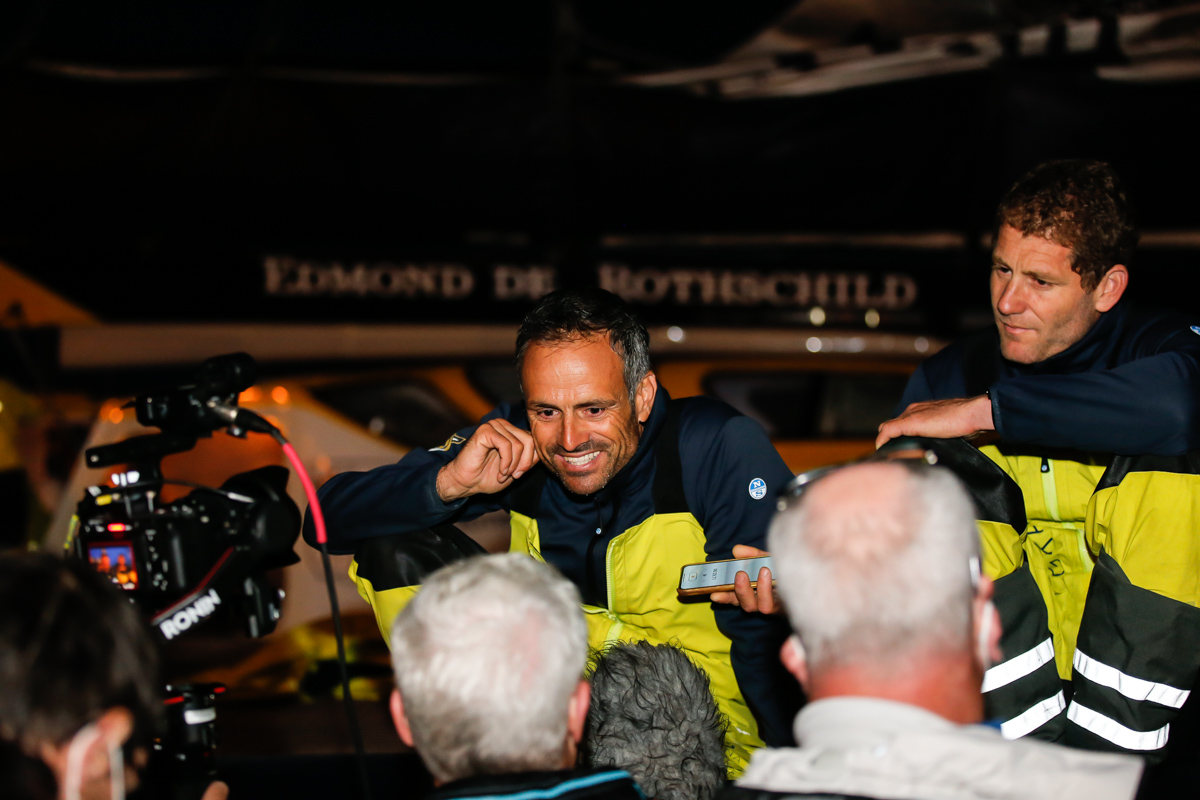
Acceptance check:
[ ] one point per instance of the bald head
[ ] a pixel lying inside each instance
(874, 565)
(858, 514)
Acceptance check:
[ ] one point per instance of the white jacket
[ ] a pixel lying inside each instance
(882, 749)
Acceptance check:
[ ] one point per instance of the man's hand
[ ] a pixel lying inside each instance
(764, 600)
(217, 790)
(940, 419)
(496, 454)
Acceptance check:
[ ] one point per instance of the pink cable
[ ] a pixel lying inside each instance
(309, 491)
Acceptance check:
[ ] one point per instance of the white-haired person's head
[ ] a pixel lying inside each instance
(878, 565)
(489, 660)
(653, 715)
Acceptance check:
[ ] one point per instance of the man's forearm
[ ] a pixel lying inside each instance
(941, 419)
(387, 500)
(1148, 406)
(447, 490)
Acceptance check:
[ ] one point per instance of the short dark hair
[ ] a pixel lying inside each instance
(653, 715)
(1080, 205)
(571, 314)
(71, 648)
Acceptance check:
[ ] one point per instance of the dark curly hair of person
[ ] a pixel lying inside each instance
(1080, 205)
(653, 715)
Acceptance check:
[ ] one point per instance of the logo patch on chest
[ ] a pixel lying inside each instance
(1196, 329)
(758, 488)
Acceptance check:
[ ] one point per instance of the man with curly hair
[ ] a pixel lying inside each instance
(654, 716)
(1089, 529)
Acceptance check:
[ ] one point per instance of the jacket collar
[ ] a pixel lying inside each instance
(869, 747)
(1086, 354)
(520, 783)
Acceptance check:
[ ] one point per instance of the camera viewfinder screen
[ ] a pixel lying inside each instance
(116, 561)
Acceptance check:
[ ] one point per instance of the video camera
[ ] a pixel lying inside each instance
(208, 552)
(186, 561)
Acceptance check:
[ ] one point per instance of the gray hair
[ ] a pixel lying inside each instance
(874, 564)
(569, 315)
(653, 715)
(487, 657)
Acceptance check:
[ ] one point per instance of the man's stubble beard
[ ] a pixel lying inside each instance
(606, 477)
(633, 433)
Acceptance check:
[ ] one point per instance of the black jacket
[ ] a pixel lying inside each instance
(1130, 386)
(563, 785)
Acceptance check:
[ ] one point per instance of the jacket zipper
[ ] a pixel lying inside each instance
(589, 557)
(614, 630)
(1050, 492)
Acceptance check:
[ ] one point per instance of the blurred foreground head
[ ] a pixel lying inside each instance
(489, 661)
(654, 716)
(78, 671)
(878, 566)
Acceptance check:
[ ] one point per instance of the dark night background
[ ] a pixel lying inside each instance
(152, 155)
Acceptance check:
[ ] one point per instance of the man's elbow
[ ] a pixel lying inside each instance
(1178, 425)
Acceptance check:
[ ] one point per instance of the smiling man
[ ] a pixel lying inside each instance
(609, 480)
(1095, 406)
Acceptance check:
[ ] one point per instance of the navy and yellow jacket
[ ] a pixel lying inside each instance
(703, 479)
(1129, 386)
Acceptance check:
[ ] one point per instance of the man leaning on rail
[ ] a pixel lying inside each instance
(608, 479)
(1070, 375)
(1089, 490)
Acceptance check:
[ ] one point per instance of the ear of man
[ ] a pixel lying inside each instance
(112, 729)
(400, 719)
(643, 397)
(577, 710)
(795, 660)
(1110, 289)
(987, 627)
